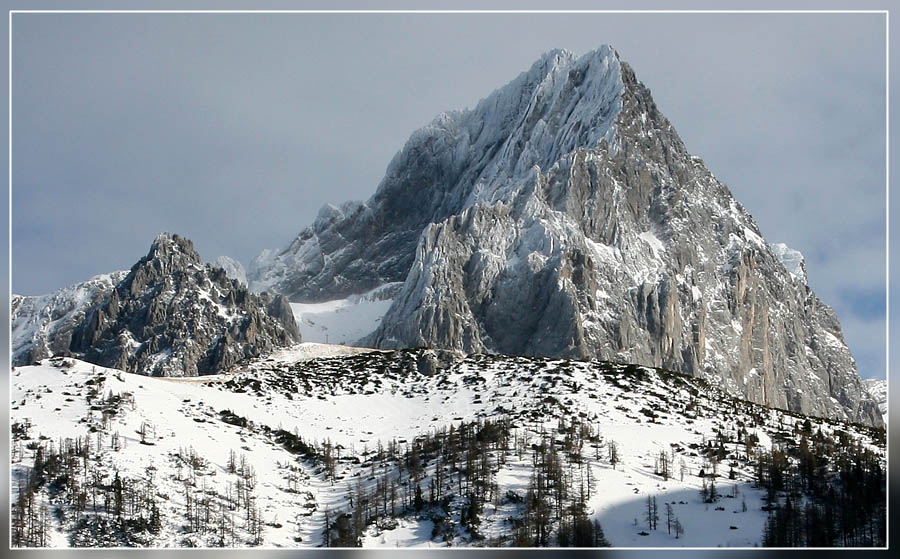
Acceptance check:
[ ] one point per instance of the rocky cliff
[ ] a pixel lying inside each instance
(170, 315)
(563, 216)
(879, 391)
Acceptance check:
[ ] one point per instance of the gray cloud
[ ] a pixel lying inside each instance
(235, 129)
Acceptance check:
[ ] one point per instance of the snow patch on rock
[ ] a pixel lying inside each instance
(792, 260)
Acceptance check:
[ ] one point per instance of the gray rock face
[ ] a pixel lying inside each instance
(563, 216)
(878, 389)
(170, 315)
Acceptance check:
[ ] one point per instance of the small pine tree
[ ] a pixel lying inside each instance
(418, 501)
(663, 465)
(652, 516)
(155, 518)
(613, 449)
(326, 534)
(713, 493)
(655, 513)
(599, 537)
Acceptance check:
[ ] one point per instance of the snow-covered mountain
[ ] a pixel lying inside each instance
(267, 454)
(170, 315)
(563, 216)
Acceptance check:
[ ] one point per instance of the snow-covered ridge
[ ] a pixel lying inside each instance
(314, 350)
(561, 103)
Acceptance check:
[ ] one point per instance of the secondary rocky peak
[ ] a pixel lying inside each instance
(168, 254)
(170, 315)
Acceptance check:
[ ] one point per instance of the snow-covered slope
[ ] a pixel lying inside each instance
(308, 435)
(344, 321)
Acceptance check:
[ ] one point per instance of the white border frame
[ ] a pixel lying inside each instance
(886, 14)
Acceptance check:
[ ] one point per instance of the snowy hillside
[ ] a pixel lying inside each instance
(404, 448)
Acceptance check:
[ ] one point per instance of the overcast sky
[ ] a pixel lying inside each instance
(234, 129)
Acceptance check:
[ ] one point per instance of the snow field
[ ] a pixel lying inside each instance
(343, 321)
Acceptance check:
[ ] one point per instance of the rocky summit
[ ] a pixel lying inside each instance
(170, 315)
(563, 216)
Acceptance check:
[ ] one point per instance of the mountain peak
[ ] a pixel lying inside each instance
(561, 57)
(563, 216)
